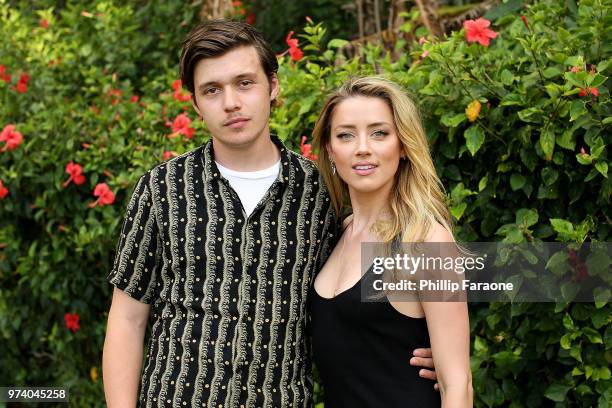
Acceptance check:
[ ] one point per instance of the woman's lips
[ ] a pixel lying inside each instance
(364, 169)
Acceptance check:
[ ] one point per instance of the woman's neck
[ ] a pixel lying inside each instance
(367, 209)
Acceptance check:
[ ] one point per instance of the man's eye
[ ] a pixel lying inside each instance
(245, 84)
(211, 91)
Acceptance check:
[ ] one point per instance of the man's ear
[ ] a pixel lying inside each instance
(195, 106)
(274, 87)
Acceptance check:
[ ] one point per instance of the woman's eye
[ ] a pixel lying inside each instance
(380, 133)
(344, 135)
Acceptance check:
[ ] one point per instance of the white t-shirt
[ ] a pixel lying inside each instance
(251, 186)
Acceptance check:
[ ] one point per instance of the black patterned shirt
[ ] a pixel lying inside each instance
(228, 292)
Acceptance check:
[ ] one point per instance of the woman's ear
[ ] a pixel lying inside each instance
(330, 154)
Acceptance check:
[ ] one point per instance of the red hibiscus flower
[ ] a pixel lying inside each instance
(524, 20)
(72, 321)
(179, 94)
(169, 154)
(181, 126)
(76, 174)
(134, 98)
(3, 75)
(43, 23)
(306, 149)
(295, 52)
(11, 137)
(3, 190)
(250, 19)
(478, 31)
(22, 84)
(589, 91)
(104, 194)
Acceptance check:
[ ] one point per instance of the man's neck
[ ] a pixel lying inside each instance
(259, 155)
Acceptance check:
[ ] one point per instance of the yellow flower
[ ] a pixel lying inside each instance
(473, 110)
(93, 373)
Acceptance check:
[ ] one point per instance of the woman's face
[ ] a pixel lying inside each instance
(364, 144)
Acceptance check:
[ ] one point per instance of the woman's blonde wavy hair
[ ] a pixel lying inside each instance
(417, 199)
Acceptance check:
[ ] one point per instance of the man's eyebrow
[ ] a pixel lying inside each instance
(238, 77)
(371, 125)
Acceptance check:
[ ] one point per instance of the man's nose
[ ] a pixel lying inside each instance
(231, 100)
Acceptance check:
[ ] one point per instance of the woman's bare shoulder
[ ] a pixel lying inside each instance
(438, 233)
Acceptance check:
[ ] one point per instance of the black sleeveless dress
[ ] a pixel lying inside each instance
(363, 350)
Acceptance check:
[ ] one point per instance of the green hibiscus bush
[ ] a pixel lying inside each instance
(518, 115)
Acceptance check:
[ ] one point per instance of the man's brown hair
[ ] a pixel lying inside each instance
(214, 38)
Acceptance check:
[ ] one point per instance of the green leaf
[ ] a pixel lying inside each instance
(474, 137)
(562, 226)
(577, 109)
(549, 175)
(458, 210)
(569, 290)
(592, 334)
(557, 392)
(552, 72)
(451, 121)
(596, 80)
(547, 143)
(336, 43)
(601, 296)
(526, 217)
(517, 181)
(482, 184)
(558, 263)
(602, 167)
(567, 140)
(507, 77)
(566, 341)
(584, 158)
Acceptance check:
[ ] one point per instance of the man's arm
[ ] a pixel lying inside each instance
(123, 350)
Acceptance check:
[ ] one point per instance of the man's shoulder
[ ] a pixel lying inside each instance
(304, 165)
(178, 165)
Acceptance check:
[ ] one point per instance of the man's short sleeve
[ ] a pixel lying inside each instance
(138, 258)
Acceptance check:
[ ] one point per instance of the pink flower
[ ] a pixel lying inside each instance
(72, 321)
(179, 94)
(169, 154)
(104, 194)
(22, 84)
(306, 149)
(11, 137)
(3, 190)
(295, 52)
(181, 126)
(3, 75)
(76, 174)
(477, 31)
(585, 91)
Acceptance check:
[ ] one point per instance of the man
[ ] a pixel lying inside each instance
(219, 247)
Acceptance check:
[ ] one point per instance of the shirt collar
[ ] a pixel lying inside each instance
(286, 174)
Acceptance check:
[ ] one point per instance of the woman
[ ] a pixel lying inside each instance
(372, 148)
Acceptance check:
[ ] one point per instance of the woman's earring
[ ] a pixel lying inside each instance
(333, 166)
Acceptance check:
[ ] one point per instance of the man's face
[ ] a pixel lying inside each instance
(233, 97)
